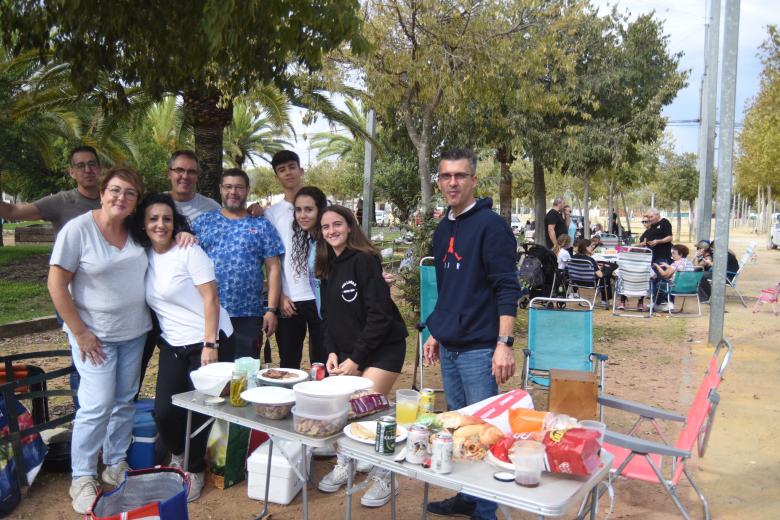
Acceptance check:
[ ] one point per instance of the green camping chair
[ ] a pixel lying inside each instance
(684, 284)
(428, 296)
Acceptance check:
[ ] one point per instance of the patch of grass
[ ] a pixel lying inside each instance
(23, 300)
(13, 253)
(14, 225)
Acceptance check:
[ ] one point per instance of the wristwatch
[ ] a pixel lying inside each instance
(507, 340)
(209, 344)
(275, 310)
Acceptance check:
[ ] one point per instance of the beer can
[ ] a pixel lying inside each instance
(385, 435)
(441, 453)
(417, 444)
(427, 399)
(317, 372)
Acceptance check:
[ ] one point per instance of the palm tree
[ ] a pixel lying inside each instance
(257, 131)
(334, 144)
(168, 127)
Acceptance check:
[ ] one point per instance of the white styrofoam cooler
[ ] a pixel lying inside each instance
(285, 484)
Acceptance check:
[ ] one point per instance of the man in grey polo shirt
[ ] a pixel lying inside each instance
(183, 170)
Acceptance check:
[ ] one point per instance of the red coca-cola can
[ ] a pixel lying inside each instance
(317, 371)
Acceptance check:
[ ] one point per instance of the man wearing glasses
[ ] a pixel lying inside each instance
(60, 208)
(183, 169)
(658, 236)
(240, 244)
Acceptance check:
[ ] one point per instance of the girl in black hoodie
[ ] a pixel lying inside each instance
(363, 331)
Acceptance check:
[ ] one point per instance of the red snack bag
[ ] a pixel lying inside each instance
(574, 451)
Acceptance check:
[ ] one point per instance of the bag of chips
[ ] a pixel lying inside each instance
(574, 451)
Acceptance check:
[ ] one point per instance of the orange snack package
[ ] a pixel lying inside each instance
(523, 420)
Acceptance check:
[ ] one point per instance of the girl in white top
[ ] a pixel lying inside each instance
(182, 291)
(561, 250)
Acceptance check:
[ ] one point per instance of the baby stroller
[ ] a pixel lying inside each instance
(537, 273)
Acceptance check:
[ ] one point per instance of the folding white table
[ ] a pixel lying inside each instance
(555, 495)
(193, 401)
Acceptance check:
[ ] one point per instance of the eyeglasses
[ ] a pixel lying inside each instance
(233, 187)
(116, 192)
(84, 165)
(645, 222)
(182, 171)
(459, 177)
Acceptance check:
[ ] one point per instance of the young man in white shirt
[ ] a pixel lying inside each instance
(297, 309)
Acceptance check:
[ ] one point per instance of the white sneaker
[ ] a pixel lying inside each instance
(197, 480)
(363, 466)
(83, 491)
(115, 474)
(663, 307)
(177, 461)
(331, 482)
(379, 492)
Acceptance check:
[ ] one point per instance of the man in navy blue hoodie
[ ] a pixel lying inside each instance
(472, 325)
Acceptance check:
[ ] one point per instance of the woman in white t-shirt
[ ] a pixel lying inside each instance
(96, 282)
(181, 289)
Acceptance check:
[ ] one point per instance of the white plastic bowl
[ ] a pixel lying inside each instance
(212, 379)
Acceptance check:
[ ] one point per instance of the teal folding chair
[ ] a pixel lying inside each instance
(560, 338)
(684, 285)
(428, 297)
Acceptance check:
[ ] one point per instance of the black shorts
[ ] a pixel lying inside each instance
(389, 356)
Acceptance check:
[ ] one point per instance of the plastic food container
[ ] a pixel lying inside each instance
(322, 397)
(319, 425)
(270, 402)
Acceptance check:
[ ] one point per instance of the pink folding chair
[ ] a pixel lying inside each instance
(642, 459)
(768, 295)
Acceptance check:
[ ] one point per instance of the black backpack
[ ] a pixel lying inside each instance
(531, 272)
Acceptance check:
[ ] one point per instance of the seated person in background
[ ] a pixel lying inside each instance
(596, 230)
(705, 286)
(583, 252)
(595, 243)
(665, 271)
(561, 250)
(702, 260)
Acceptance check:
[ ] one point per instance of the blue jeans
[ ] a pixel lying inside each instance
(105, 417)
(467, 379)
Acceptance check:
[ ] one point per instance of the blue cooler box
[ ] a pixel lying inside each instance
(141, 452)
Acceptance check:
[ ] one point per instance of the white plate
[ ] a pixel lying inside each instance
(270, 395)
(357, 383)
(217, 369)
(492, 460)
(301, 376)
(400, 432)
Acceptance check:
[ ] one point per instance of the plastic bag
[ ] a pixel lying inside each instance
(227, 453)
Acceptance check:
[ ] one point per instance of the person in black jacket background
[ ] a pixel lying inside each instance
(364, 333)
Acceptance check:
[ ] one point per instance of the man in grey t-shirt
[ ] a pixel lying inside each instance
(60, 208)
(183, 170)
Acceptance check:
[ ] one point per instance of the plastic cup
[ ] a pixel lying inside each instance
(528, 459)
(597, 426)
(406, 405)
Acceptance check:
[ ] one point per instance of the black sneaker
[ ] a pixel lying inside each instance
(455, 506)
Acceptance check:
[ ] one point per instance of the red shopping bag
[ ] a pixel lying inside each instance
(146, 494)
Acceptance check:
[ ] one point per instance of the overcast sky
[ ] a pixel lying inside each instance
(684, 23)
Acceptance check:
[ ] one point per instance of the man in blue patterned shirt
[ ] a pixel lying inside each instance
(239, 245)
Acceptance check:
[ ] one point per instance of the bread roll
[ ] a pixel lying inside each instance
(454, 420)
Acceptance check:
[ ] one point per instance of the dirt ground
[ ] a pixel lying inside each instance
(657, 361)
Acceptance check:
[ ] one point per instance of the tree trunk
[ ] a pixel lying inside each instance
(610, 206)
(691, 205)
(540, 201)
(1, 198)
(679, 221)
(504, 157)
(209, 121)
(625, 210)
(586, 205)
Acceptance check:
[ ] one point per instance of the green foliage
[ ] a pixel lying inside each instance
(263, 181)
(342, 179)
(679, 178)
(422, 246)
(16, 253)
(759, 142)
